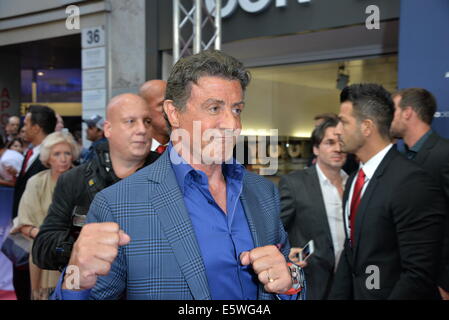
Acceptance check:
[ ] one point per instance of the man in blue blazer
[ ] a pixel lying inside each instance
(194, 224)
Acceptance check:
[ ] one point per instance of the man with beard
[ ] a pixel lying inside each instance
(414, 111)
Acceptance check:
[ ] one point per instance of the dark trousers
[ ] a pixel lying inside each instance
(22, 282)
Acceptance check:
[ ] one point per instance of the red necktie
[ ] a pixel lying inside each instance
(356, 196)
(25, 162)
(161, 149)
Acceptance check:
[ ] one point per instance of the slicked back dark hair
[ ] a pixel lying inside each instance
(371, 101)
(207, 63)
(422, 102)
(44, 117)
(320, 131)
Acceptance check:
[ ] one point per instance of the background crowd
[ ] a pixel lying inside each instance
(359, 200)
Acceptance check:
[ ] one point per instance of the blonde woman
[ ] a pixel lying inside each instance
(58, 152)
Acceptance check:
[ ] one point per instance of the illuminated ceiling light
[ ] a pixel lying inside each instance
(40, 73)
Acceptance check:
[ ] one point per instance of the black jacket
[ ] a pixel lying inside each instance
(303, 213)
(434, 158)
(22, 180)
(398, 236)
(74, 192)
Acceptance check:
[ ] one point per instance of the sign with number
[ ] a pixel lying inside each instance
(93, 37)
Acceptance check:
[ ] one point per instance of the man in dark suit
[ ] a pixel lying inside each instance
(414, 111)
(311, 209)
(393, 211)
(39, 122)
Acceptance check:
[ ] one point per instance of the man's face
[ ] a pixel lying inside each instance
(128, 130)
(156, 104)
(398, 125)
(12, 127)
(329, 150)
(30, 130)
(93, 133)
(216, 104)
(348, 130)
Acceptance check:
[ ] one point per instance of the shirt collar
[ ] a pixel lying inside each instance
(36, 149)
(183, 170)
(419, 144)
(371, 165)
(323, 179)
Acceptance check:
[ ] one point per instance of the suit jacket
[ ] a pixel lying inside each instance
(434, 158)
(304, 216)
(22, 180)
(163, 259)
(398, 236)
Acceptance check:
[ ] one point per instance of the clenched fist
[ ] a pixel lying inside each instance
(270, 266)
(95, 250)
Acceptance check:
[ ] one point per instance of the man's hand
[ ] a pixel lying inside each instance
(95, 250)
(293, 256)
(270, 266)
(444, 294)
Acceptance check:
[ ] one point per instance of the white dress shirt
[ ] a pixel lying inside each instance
(368, 168)
(155, 144)
(334, 210)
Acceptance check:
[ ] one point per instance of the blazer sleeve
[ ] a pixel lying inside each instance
(113, 285)
(418, 213)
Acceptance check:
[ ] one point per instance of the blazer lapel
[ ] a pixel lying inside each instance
(251, 205)
(168, 202)
(253, 211)
(365, 201)
(349, 249)
(317, 197)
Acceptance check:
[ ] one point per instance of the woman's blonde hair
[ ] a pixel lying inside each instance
(56, 138)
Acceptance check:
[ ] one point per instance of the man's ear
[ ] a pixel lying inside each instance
(315, 151)
(172, 113)
(367, 127)
(407, 112)
(107, 129)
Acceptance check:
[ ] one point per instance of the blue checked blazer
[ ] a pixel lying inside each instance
(163, 259)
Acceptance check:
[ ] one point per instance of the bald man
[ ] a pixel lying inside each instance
(127, 129)
(153, 92)
(12, 128)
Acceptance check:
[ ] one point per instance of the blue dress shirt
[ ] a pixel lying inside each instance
(221, 236)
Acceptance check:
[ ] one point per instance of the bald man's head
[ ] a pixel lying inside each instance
(153, 92)
(127, 127)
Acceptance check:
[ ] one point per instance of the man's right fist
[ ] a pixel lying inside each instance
(95, 250)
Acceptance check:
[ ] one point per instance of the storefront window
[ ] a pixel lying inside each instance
(288, 97)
